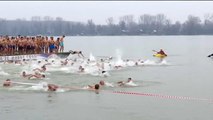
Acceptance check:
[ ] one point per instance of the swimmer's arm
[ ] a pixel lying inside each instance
(90, 86)
(32, 76)
(82, 55)
(120, 82)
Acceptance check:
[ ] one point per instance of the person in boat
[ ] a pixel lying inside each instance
(7, 83)
(162, 52)
(80, 54)
(24, 74)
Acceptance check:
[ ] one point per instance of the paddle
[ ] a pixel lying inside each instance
(210, 55)
(154, 50)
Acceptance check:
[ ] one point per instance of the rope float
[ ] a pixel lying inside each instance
(164, 96)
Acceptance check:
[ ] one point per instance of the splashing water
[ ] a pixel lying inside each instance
(152, 62)
(91, 57)
(3, 73)
(119, 60)
(53, 56)
(118, 54)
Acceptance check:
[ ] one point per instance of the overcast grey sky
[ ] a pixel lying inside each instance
(100, 11)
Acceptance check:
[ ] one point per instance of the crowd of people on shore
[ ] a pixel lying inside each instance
(21, 45)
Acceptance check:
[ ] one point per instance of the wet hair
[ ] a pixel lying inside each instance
(97, 86)
(101, 82)
(103, 72)
(129, 79)
(7, 83)
(52, 87)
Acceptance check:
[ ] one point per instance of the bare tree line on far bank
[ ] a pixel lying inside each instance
(128, 25)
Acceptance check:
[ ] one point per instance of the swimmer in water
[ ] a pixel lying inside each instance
(43, 69)
(102, 83)
(95, 88)
(79, 53)
(7, 83)
(39, 76)
(104, 73)
(64, 62)
(122, 83)
(52, 87)
(24, 74)
(81, 69)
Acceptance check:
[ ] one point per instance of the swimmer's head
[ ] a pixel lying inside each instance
(23, 73)
(129, 79)
(97, 86)
(7, 83)
(101, 82)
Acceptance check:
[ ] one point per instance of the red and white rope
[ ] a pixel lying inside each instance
(164, 96)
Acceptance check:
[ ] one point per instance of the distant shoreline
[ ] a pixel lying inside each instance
(145, 25)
